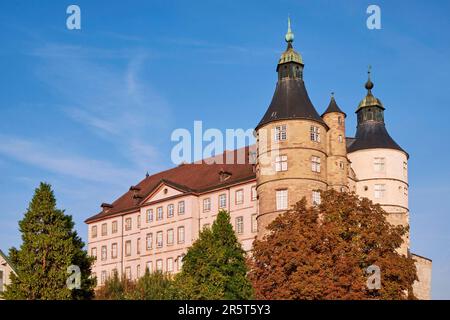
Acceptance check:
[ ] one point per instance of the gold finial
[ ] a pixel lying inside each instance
(289, 35)
(369, 83)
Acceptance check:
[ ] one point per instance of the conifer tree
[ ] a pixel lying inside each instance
(49, 247)
(215, 266)
(325, 252)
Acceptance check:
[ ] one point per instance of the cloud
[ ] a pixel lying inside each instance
(52, 159)
(111, 100)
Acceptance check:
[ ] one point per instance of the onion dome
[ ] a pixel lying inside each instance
(371, 132)
(290, 100)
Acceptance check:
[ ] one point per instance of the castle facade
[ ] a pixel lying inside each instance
(298, 153)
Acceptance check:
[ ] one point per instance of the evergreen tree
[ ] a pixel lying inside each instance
(215, 266)
(324, 253)
(49, 247)
(153, 286)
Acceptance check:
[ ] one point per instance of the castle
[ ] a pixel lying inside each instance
(298, 152)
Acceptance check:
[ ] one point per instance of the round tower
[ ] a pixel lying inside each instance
(337, 162)
(291, 142)
(380, 164)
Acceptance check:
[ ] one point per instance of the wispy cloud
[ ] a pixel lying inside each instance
(112, 101)
(46, 157)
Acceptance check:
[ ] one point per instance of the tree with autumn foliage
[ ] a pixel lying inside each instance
(323, 252)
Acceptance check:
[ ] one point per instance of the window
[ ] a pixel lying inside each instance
(281, 163)
(159, 239)
(181, 207)
(379, 164)
(340, 139)
(179, 262)
(222, 201)
(149, 266)
(138, 246)
(103, 277)
(280, 133)
(339, 120)
(239, 196)
(379, 191)
(170, 237)
(315, 164)
(170, 210)
(138, 221)
(341, 165)
(254, 193)
(254, 223)
(149, 241)
(149, 215)
(114, 227)
(169, 265)
(94, 252)
(128, 224)
(138, 271)
(282, 199)
(128, 248)
(159, 265)
(240, 225)
(114, 251)
(405, 169)
(104, 229)
(128, 273)
(206, 204)
(315, 133)
(316, 199)
(159, 213)
(94, 232)
(180, 234)
(104, 253)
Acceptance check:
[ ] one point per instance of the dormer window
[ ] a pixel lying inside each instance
(280, 133)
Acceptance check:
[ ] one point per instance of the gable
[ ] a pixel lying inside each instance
(161, 192)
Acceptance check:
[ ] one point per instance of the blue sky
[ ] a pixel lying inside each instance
(91, 111)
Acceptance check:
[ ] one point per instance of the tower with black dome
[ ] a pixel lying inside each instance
(380, 164)
(291, 143)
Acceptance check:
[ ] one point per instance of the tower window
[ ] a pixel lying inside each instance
(315, 164)
(405, 169)
(282, 199)
(340, 139)
(379, 164)
(315, 134)
(339, 120)
(280, 133)
(316, 199)
(380, 190)
(281, 163)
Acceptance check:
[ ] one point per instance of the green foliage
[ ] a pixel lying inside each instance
(49, 247)
(152, 286)
(215, 266)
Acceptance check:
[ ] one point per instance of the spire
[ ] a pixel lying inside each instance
(369, 83)
(371, 132)
(289, 35)
(290, 55)
(290, 100)
(369, 100)
(333, 107)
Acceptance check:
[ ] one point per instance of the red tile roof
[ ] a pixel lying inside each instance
(193, 178)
